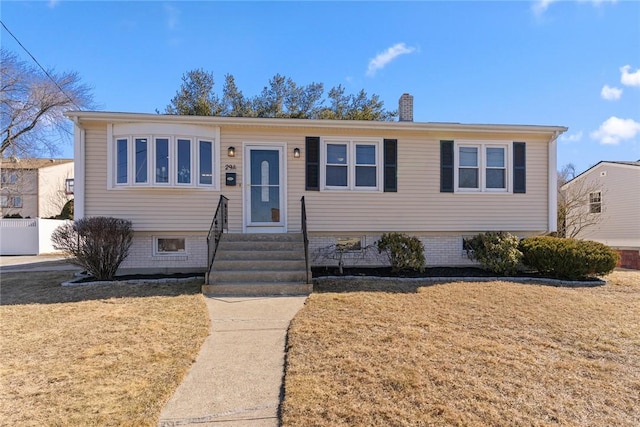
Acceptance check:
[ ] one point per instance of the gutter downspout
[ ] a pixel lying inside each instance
(553, 183)
(78, 169)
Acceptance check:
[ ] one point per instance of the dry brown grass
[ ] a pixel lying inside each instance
(468, 354)
(94, 355)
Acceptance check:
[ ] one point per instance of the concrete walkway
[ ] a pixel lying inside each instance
(237, 377)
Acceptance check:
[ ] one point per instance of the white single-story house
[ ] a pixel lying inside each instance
(441, 182)
(611, 207)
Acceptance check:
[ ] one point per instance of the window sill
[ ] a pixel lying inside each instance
(162, 187)
(169, 257)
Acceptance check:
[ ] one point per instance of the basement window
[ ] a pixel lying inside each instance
(349, 244)
(170, 246)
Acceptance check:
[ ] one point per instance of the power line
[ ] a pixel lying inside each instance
(41, 67)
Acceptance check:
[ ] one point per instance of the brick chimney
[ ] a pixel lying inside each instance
(405, 108)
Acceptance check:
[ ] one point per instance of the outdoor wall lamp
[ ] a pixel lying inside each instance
(231, 152)
(296, 153)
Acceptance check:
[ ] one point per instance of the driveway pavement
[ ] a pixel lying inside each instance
(237, 377)
(24, 263)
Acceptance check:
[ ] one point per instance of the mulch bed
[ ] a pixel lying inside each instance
(428, 272)
(90, 279)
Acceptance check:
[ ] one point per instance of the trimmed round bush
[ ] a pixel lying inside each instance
(568, 258)
(496, 251)
(404, 252)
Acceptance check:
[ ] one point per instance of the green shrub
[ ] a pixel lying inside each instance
(568, 258)
(497, 251)
(404, 252)
(67, 211)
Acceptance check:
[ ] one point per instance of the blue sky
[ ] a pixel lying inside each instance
(569, 63)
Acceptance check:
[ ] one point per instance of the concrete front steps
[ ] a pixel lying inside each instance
(258, 265)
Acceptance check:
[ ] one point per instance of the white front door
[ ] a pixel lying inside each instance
(264, 190)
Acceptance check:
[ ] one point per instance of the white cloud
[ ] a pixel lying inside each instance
(53, 3)
(629, 79)
(614, 130)
(173, 15)
(610, 93)
(573, 137)
(540, 6)
(383, 58)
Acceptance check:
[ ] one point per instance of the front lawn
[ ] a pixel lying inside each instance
(491, 353)
(96, 354)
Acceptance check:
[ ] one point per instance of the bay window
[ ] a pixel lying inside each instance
(163, 161)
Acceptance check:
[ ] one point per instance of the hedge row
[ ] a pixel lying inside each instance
(552, 256)
(567, 258)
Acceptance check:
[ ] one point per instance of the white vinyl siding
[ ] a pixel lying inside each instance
(619, 205)
(417, 207)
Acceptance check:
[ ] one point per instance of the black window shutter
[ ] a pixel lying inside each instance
(390, 165)
(312, 156)
(446, 166)
(519, 167)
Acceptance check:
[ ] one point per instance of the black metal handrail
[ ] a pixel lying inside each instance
(218, 225)
(305, 237)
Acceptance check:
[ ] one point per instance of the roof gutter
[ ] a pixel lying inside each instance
(114, 117)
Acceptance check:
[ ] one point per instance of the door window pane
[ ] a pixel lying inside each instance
(162, 160)
(121, 162)
(141, 159)
(206, 163)
(184, 161)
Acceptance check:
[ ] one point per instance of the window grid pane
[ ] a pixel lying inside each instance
(468, 156)
(162, 160)
(365, 154)
(121, 162)
(206, 163)
(468, 178)
(336, 154)
(337, 176)
(141, 160)
(184, 161)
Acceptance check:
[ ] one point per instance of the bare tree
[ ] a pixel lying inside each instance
(579, 202)
(32, 103)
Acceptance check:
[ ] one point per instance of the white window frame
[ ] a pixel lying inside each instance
(157, 252)
(482, 166)
(173, 133)
(593, 203)
(9, 202)
(351, 144)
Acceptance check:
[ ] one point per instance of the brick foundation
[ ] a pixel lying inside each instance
(629, 259)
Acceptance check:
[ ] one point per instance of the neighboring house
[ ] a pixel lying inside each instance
(34, 188)
(612, 204)
(441, 182)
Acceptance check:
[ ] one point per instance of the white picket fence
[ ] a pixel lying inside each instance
(27, 236)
